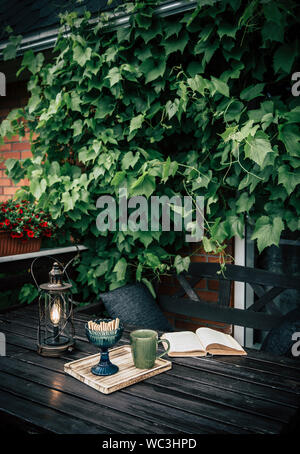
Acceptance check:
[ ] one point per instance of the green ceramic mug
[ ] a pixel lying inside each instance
(144, 348)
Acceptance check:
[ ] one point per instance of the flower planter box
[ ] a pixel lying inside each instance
(12, 246)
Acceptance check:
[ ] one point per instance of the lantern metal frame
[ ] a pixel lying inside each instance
(53, 339)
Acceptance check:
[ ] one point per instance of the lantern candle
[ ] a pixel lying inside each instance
(55, 315)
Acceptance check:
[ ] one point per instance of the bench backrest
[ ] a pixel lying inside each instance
(266, 286)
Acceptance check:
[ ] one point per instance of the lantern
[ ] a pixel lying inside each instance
(56, 328)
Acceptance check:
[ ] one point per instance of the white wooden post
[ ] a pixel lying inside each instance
(239, 287)
(2, 344)
(2, 85)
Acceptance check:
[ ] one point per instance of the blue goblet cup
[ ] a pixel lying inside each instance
(104, 340)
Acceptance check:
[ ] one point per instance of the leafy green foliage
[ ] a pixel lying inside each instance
(28, 293)
(168, 106)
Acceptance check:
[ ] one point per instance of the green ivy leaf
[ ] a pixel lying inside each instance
(267, 231)
(114, 75)
(273, 31)
(82, 55)
(288, 178)
(28, 293)
(251, 92)
(144, 185)
(102, 268)
(181, 263)
(284, 58)
(129, 160)
(120, 269)
(136, 122)
(149, 286)
(245, 203)
(32, 62)
(175, 44)
(10, 51)
(37, 188)
(220, 86)
(257, 148)
(289, 135)
(152, 69)
(105, 107)
(77, 127)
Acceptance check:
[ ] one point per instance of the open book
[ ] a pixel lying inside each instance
(204, 341)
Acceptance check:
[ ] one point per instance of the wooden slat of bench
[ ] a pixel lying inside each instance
(218, 313)
(266, 298)
(244, 274)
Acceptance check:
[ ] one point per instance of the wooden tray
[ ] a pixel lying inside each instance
(127, 375)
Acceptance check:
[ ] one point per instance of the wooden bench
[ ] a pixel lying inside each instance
(266, 286)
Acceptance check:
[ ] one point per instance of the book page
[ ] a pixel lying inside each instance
(210, 336)
(184, 341)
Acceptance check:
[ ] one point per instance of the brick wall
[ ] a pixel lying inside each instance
(16, 96)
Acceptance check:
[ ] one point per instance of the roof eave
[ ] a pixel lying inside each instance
(47, 39)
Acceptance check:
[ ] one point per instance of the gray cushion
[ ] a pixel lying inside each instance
(279, 339)
(134, 305)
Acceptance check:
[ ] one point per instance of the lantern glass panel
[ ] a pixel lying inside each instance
(56, 329)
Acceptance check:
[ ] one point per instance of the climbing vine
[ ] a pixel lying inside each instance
(194, 104)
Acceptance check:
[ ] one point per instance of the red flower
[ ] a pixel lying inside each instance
(48, 234)
(44, 224)
(1, 225)
(16, 235)
(21, 211)
(30, 233)
(7, 221)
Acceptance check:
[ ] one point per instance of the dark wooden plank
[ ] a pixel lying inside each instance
(265, 299)
(189, 291)
(192, 282)
(101, 417)
(213, 403)
(268, 401)
(224, 292)
(162, 418)
(268, 380)
(287, 373)
(244, 274)
(265, 357)
(184, 412)
(40, 416)
(199, 406)
(218, 313)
